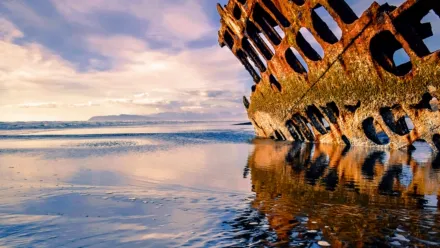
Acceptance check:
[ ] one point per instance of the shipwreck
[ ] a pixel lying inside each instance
(355, 93)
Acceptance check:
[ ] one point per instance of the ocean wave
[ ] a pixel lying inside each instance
(228, 136)
(104, 144)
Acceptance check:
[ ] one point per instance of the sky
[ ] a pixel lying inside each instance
(63, 60)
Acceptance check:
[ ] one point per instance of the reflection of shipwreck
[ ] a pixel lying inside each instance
(356, 93)
(349, 190)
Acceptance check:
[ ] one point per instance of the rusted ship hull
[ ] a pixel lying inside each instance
(356, 93)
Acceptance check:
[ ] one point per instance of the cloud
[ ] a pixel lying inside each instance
(185, 22)
(8, 31)
(117, 46)
(126, 74)
(85, 105)
(39, 105)
(23, 12)
(159, 100)
(173, 21)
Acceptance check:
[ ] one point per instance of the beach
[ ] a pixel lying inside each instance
(206, 184)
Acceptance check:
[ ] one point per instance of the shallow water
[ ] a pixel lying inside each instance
(207, 184)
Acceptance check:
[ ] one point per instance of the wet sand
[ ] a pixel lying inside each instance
(208, 185)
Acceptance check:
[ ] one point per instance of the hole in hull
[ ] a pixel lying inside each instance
(409, 123)
(427, 102)
(416, 26)
(278, 15)
(432, 42)
(253, 33)
(401, 57)
(326, 124)
(253, 55)
(353, 108)
(229, 40)
(277, 135)
(249, 67)
(321, 18)
(331, 110)
(301, 123)
(261, 57)
(237, 12)
(246, 102)
(374, 132)
(266, 22)
(274, 83)
(436, 141)
(308, 45)
(397, 124)
(296, 61)
(343, 10)
(383, 47)
(267, 42)
(280, 32)
(346, 141)
(359, 6)
(294, 131)
(434, 104)
(315, 117)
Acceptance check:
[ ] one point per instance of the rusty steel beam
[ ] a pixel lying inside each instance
(356, 93)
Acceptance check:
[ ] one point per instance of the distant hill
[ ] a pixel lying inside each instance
(169, 116)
